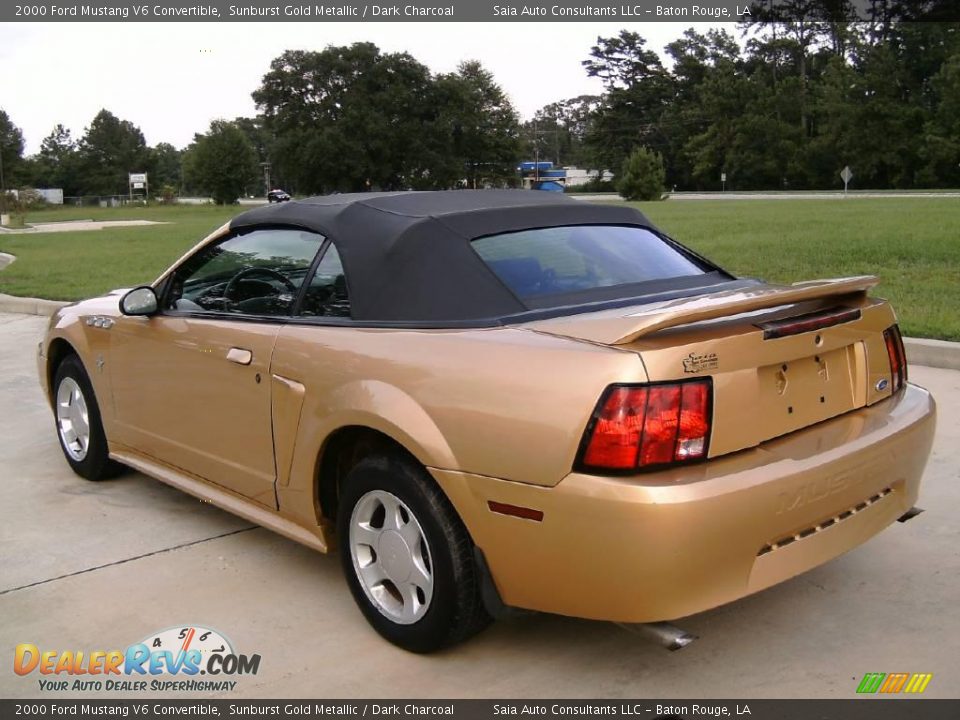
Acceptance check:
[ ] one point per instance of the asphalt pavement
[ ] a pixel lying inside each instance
(99, 566)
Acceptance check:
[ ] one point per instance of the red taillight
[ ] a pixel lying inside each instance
(637, 427)
(618, 425)
(897, 357)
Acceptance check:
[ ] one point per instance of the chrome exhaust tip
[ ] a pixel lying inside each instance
(662, 633)
(910, 514)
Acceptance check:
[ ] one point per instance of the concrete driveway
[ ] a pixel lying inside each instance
(99, 566)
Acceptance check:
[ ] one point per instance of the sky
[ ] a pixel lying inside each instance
(171, 79)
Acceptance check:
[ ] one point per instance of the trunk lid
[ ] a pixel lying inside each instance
(780, 357)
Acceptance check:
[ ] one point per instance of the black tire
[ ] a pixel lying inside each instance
(456, 610)
(95, 464)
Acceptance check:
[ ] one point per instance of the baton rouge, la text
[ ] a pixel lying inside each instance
(610, 709)
(622, 11)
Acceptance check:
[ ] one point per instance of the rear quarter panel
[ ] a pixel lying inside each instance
(504, 402)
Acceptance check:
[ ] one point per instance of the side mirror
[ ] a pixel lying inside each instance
(139, 301)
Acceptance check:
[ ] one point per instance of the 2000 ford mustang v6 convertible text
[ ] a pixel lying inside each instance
(493, 399)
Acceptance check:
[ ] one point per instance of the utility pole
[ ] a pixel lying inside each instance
(266, 177)
(536, 153)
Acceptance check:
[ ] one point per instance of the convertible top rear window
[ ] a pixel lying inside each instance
(581, 258)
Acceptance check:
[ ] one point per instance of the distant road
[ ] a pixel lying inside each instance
(809, 195)
(611, 197)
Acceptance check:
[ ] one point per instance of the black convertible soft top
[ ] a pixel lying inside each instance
(407, 255)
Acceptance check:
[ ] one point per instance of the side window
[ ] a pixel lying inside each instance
(326, 296)
(257, 273)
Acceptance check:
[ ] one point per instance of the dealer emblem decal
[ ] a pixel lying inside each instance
(700, 362)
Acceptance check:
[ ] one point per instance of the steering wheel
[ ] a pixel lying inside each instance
(246, 272)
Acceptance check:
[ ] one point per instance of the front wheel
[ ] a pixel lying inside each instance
(407, 556)
(79, 428)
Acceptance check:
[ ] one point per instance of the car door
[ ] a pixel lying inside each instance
(191, 384)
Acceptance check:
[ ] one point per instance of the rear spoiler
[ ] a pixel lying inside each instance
(612, 328)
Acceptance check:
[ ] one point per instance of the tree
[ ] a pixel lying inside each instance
(354, 118)
(262, 142)
(57, 165)
(558, 131)
(812, 92)
(221, 162)
(888, 118)
(480, 125)
(708, 90)
(166, 166)
(11, 153)
(718, 107)
(639, 90)
(109, 150)
(623, 61)
(837, 100)
(348, 118)
(941, 148)
(642, 175)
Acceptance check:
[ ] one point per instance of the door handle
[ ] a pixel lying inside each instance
(240, 356)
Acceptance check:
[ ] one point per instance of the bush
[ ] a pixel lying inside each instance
(642, 176)
(594, 185)
(168, 194)
(18, 202)
(30, 199)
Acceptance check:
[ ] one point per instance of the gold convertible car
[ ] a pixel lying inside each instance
(500, 399)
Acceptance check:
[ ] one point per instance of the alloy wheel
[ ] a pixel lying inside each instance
(391, 557)
(73, 420)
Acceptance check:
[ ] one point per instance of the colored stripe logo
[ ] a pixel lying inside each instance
(894, 683)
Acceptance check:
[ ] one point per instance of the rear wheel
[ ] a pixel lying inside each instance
(407, 556)
(79, 428)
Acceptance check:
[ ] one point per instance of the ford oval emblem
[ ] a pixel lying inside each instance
(882, 385)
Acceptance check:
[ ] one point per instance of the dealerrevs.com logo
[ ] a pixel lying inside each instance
(187, 658)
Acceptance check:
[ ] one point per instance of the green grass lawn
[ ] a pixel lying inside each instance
(75, 265)
(913, 244)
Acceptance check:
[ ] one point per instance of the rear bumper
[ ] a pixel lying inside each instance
(614, 549)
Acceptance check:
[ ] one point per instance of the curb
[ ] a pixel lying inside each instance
(932, 353)
(30, 306)
(22, 305)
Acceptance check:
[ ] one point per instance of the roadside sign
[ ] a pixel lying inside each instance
(723, 180)
(139, 182)
(846, 175)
